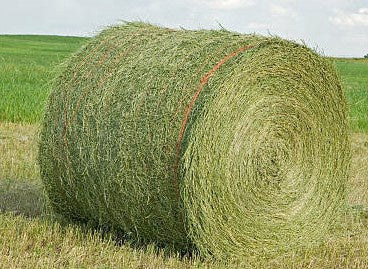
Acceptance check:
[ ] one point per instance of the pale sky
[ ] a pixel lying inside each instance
(335, 27)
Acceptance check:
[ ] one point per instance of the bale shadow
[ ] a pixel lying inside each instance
(22, 198)
(28, 199)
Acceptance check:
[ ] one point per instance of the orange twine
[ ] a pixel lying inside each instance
(204, 80)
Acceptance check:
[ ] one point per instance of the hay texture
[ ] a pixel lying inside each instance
(253, 163)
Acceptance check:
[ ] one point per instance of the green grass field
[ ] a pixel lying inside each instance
(32, 238)
(26, 68)
(354, 76)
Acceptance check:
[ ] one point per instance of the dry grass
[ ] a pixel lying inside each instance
(18, 149)
(358, 185)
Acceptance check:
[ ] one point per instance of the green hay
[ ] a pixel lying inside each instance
(263, 161)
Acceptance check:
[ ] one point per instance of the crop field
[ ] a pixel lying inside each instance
(26, 68)
(31, 237)
(354, 76)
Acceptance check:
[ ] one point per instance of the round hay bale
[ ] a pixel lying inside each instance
(225, 143)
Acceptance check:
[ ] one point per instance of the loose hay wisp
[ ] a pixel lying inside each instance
(230, 144)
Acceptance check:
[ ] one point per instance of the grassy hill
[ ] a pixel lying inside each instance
(31, 238)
